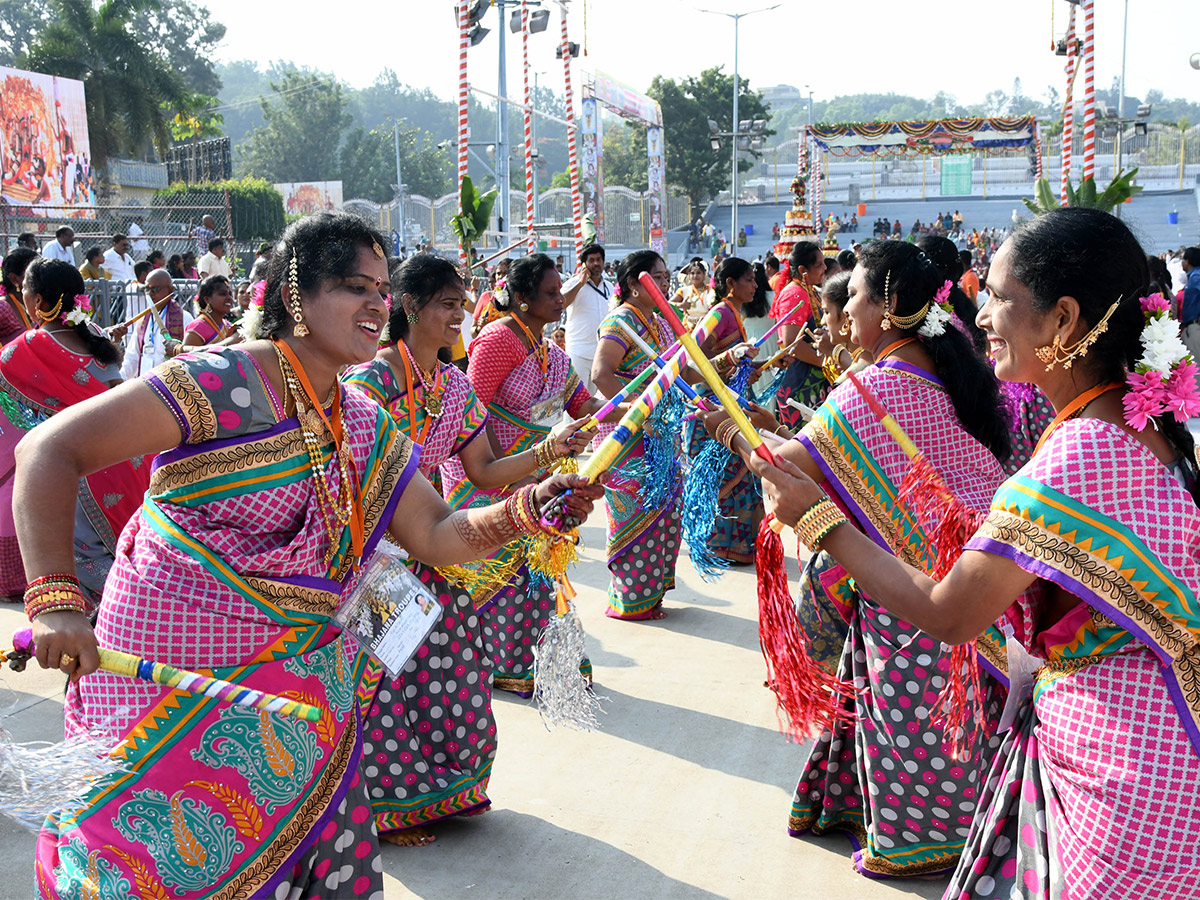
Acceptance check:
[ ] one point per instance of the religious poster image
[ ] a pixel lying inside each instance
(301, 198)
(45, 155)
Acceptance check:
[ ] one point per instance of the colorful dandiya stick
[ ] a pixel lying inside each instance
(774, 328)
(635, 417)
(659, 363)
(181, 679)
(701, 362)
(783, 351)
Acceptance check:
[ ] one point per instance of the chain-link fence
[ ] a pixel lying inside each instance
(428, 221)
(171, 229)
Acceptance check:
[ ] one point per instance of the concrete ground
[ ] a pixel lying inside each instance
(684, 793)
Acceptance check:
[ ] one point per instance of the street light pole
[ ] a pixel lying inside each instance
(737, 17)
(399, 185)
(502, 180)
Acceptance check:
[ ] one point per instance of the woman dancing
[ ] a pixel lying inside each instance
(65, 361)
(420, 768)
(1090, 553)
(526, 383)
(215, 300)
(804, 381)
(271, 482)
(643, 541)
(861, 771)
(739, 502)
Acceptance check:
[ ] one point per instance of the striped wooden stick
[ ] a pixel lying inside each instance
(701, 362)
(131, 666)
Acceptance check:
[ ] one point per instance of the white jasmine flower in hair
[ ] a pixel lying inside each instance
(935, 321)
(76, 316)
(500, 297)
(251, 320)
(1162, 345)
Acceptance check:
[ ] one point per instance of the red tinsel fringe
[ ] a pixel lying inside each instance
(948, 524)
(808, 695)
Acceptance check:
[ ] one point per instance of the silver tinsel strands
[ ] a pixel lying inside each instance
(42, 779)
(563, 695)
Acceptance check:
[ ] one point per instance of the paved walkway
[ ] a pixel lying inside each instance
(683, 794)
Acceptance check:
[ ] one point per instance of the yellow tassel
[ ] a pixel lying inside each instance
(485, 577)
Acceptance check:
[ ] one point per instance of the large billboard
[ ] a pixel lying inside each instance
(44, 151)
(300, 198)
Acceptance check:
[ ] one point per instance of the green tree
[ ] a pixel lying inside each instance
(369, 164)
(625, 160)
(301, 131)
(186, 35)
(127, 82)
(20, 21)
(686, 107)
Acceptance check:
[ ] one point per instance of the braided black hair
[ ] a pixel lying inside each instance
(53, 279)
(1094, 257)
(900, 268)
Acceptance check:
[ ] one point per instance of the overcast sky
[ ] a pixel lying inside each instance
(966, 49)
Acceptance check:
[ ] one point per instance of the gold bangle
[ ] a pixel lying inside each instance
(817, 521)
(826, 531)
(783, 428)
(726, 432)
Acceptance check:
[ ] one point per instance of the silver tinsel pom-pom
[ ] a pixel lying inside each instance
(562, 693)
(40, 778)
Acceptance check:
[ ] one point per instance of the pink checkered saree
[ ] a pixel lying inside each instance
(890, 779)
(223, 571)
(461, 420)
(1094, 793)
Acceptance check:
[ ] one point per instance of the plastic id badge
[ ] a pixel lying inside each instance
(389, 611)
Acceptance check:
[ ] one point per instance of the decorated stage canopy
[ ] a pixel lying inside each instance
(943, 136)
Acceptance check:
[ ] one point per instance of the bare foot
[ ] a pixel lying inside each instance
(658, 613)
(478, 812)
(409, 837)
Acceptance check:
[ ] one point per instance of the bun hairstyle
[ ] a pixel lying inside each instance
(943, 254)
(53, 279)
(1094, 257)
(14, 266)
(732, 267)
(208, 287)
(422, 276)
(326, 246)
(633, 265)
(525, 276)
(914, 280)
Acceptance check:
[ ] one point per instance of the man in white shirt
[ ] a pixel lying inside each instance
(213, 262)
(158, 336)
(117, 260)
(587, 298)
(139, 246)
(62, 246)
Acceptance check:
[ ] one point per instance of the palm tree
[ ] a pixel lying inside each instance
(1121, 189)
(126, 82)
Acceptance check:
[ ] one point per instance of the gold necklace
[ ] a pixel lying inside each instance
(540, 350)
(431, 384)
(312, 427)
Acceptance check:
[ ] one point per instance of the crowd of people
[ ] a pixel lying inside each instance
(996, 630)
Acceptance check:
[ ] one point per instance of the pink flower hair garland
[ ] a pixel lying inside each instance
(1164, 377)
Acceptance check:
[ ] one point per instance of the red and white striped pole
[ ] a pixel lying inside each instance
(528, 120)
(463, 87)
(1068, 135)
(572, 137)
(818, 189)
(1089, 89)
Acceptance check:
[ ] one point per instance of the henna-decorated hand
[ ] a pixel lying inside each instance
(578, 504)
